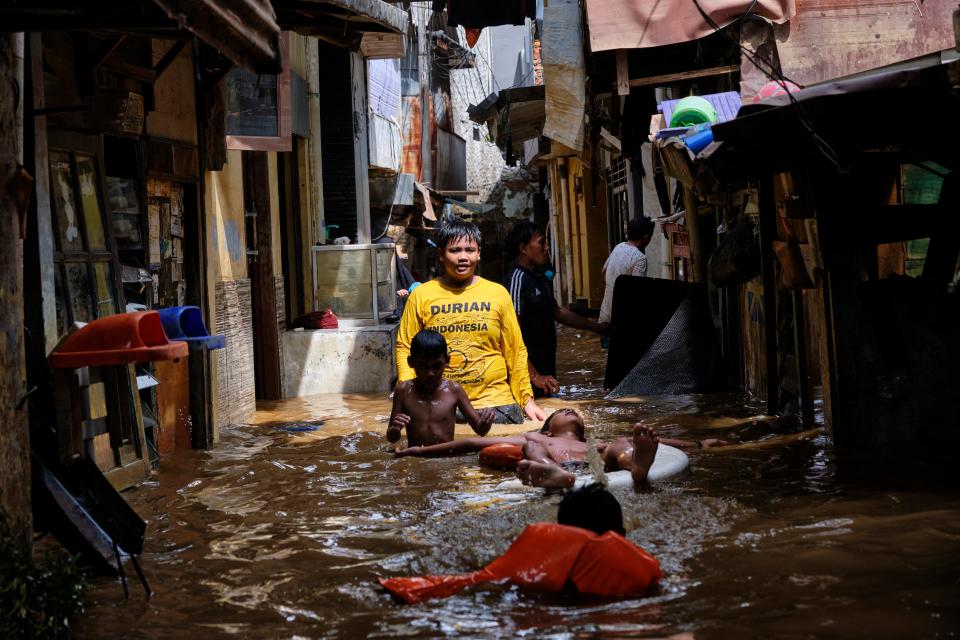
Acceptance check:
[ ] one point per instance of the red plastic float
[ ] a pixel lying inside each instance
(545, 557)
(501, 456)
(115, 340)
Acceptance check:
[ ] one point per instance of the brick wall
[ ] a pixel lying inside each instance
(281, 322)
(235, 378)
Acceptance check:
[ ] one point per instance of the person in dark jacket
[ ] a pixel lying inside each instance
(536, 308)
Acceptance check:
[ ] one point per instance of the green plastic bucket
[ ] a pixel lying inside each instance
(693, 110)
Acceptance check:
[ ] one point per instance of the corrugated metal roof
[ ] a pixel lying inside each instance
(727, 105)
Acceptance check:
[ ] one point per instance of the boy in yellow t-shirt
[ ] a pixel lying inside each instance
(476, 317)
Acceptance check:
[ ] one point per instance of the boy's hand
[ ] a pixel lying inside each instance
(399, 421)
(487, 416)
(400, 453)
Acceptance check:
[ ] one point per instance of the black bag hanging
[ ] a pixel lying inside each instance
(737, 259)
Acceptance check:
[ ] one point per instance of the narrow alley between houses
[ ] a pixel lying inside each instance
(513, 318)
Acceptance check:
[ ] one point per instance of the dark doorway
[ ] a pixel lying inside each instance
(263, 288)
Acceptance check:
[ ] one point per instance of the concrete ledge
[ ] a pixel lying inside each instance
(345, 360)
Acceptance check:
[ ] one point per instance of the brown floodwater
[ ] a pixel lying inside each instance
(282, 530)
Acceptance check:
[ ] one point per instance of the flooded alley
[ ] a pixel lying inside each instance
(282, 530)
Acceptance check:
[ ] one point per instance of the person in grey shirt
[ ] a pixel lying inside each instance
(627, 258)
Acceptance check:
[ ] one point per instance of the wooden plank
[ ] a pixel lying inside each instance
(105, 50)
(360, 151)
(680, 76)
(263, 287)
(173, 405)
(623, 73)
(169, 57)
(768, 213)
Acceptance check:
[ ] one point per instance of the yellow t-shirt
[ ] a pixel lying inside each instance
(487, 354)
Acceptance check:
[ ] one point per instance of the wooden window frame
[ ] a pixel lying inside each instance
(283, 141)
(72, 145)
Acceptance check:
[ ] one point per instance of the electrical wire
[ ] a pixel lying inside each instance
(772, 72)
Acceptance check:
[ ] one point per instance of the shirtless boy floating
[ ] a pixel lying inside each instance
(425, 406)
(552, 457)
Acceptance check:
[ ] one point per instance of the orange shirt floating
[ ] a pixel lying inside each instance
(544, 558)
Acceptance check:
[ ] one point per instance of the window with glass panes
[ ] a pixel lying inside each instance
(84, 260)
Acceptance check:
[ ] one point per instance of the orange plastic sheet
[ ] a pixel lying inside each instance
(545, 557)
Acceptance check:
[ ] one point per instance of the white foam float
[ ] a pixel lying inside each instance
(669, 463)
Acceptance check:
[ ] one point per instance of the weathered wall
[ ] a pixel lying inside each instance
(232, 373)
(828, 39)
(14, 436)
(346, 360)
(470, 86)
(226, 233)
(175, 115)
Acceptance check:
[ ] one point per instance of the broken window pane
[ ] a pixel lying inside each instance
(103, 277)
(65, 202)
(78, 287)
(89, 185)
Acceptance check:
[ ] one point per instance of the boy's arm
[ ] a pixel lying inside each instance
(398, 419)
(480, 421)
(457, 447)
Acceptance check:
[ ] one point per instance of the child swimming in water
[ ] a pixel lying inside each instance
(425, 406)
(561, 442)
(552, 457)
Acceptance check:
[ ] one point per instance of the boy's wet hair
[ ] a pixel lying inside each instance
(546, 423)
(452, 228)
(521, 233)
(428, 344)
(592, 508)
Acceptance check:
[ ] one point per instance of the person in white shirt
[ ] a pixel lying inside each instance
(627, 258)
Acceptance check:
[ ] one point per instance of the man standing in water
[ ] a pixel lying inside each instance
(627, 258)
(487, 355)
(536, 308)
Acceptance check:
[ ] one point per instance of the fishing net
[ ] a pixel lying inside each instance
(683, 358)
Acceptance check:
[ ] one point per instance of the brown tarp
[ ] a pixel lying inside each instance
(637, 24)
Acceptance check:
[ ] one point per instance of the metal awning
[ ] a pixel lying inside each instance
(516, 115)
(851, 115)
(340, 21)
(637, 24)
(246, 31)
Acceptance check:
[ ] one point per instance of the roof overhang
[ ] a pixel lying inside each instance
(858, 114)
(638, 24)
(245, 31)
(341, 21)
(516, 115)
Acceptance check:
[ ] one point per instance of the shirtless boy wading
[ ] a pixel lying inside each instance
(425, 406)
